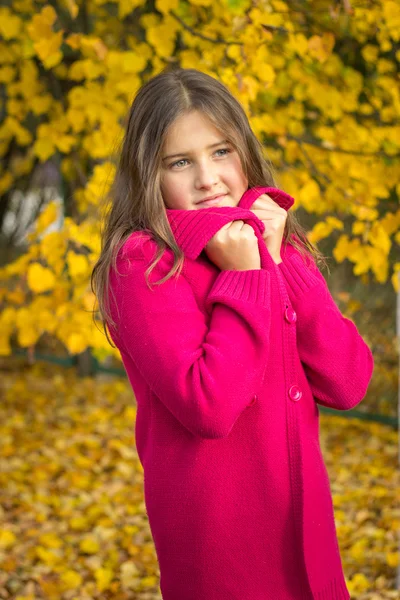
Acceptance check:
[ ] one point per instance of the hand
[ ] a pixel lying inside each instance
(274, 218)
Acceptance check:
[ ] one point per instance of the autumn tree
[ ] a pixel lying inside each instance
(317, 80)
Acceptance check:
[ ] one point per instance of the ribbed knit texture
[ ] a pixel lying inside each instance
(228, 369)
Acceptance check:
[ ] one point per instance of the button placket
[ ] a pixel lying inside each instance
(253, 400)
(295, 393)
(290, 314)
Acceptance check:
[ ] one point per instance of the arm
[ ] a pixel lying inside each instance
(205, 374)
(337, 361)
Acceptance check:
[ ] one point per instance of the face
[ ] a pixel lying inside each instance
(203, 165)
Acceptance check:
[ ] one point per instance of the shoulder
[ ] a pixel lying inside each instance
(137, 245)
(290, 252)
(141, 246)
(139, 251)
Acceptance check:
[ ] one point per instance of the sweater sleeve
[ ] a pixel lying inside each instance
(337, 361)
(205, 371)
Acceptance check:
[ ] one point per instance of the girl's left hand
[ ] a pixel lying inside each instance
(274, 218)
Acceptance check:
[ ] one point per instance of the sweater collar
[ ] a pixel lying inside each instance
(193, 229)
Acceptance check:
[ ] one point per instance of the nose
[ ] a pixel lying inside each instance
(206, 175)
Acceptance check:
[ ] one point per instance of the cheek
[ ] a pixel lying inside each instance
(173, 188)
(236, 168)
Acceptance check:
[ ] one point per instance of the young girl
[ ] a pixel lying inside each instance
(229, 349)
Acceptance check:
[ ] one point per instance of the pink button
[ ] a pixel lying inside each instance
(290, 315)
(253, 400)
(295, 393)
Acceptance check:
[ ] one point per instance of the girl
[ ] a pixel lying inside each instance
(229, 353)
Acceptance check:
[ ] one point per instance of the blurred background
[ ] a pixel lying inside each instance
(320, 84)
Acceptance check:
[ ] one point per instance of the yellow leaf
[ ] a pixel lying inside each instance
(76, 343)
(164, 6)
(89, 545)
(46, 556)
(266, 74)
(52, 247)
(393, 558)
(6, 182)
(310, 196)
(40, 104)
(77, 264)
(132, 62)
(48, 49)
(5, 347)
(391, 11)
(43, 148)
(7, 538)
(341, 249)
(335, 223)
(359, 583)
(41, 24)
(379, 238)
(72, 8)
(16, 296)
(321, 47)
(358, 227)
(319, 231)
(362, 264)
(50, 540)
(24, 137)
(94, 47)
(7, 74)
(71, 579)
(47, 217)
(149, 581)
(161, 40)
(10, 24)
(78, 523)
(40, 279)
(391, 222)
(299, 43)
(130, 575)
(27, 336)
(65, 143)
(73, 40)
(103, 578)
(127, 6)
(395, 279)
(370, 53)
(365, 213)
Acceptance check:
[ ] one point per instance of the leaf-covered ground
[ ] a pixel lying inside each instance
(74, 524)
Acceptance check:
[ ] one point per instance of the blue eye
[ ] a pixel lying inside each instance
(224, 150)
(177, 163)
(227, 150)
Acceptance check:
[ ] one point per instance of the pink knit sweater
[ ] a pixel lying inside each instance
(228, 369)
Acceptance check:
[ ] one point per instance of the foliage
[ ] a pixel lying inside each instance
(318, 81)
(71, 492)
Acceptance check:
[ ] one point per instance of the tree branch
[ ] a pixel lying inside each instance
(339, 150)
(271, 28)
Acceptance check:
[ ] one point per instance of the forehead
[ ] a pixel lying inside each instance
(193, 128)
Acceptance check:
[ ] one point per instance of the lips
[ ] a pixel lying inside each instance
(211, 201)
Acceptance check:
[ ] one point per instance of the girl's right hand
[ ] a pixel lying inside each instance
(234, 247)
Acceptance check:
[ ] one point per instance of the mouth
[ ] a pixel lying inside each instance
(212, 201)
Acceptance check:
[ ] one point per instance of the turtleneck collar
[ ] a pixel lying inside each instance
(193, 229)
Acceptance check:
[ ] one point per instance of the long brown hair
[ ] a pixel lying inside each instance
(135, 202)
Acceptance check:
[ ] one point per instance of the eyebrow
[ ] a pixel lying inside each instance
(187, 152)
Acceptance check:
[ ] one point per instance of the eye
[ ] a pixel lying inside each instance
(177, 162)
(226, 150)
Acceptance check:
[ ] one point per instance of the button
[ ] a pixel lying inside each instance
(295, 393)
(290, 315)
(253, 400)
